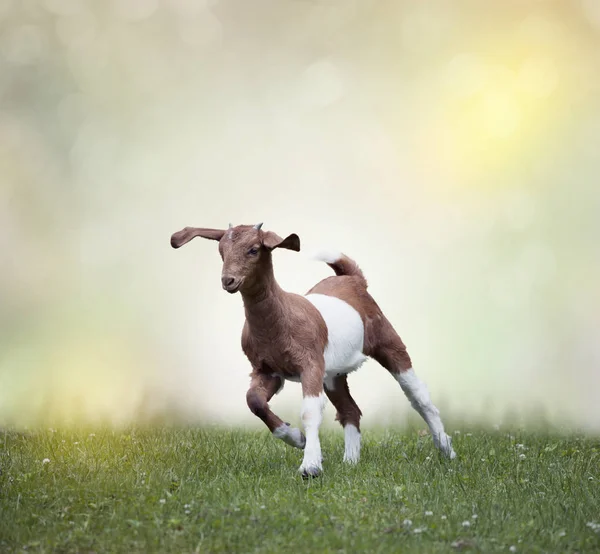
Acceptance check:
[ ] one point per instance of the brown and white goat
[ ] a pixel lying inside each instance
(316, 339)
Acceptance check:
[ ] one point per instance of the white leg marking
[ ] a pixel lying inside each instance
(416, 391)
(290, 435)
(312, 416)
(352, 444)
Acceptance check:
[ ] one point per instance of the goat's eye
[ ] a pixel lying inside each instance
(253, 251)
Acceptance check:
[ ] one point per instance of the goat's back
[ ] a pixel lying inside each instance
(350, 289)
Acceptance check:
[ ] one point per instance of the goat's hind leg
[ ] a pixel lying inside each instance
(348, 414)
(262, 388)
(393, 356)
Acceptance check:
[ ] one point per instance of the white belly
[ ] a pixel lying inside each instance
(346, 335)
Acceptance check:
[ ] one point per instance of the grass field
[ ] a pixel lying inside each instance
(218, 490)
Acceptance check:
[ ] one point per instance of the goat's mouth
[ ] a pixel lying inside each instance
(233, 288)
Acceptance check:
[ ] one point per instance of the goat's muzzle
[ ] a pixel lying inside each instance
(230, 284)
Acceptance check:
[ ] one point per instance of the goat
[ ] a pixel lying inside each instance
(316, 339)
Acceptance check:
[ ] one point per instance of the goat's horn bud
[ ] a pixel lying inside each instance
(230, 226)
(258, 226)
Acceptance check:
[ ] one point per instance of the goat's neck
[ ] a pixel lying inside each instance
(265, 306)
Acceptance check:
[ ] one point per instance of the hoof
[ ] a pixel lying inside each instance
(296, 437)
(311, 473)
(444, 444)
(290, 435)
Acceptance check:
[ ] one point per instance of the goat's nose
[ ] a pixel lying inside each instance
(227, 281)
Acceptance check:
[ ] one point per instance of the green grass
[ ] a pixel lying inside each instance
(215, 490)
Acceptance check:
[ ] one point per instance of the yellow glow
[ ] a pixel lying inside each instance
(494, 117)
(97, 381)
(78, 378)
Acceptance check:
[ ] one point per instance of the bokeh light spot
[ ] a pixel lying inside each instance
(64, 7)
(5, 7)
(538, 76)
(519, 210)
(22, 45)
(134, 10)
(187, 8)
(538, 30)
(422, 28)
(78, 30)
(322, 84)
(500, 113)
(591, 9)
(201, 30)
(465, 75)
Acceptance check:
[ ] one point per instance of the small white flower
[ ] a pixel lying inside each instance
(457, 432)
(263, 507)
(63, 440)
(562, 533)
(428, 513)
(162, 501)
(52, 430)
(407, 523)
(466, 524)
(428, 458)
(513, 548)
(444, 517)
(187, 506)
(520, 446)
(590, 478)
(469, 434)
(76, 442)
(594, 526)
(92, 434)
(187, 512)
(474, 516)
(46, 461)
(522, 456)
(418, 530)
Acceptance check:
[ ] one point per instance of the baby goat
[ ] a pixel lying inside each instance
(316, 339)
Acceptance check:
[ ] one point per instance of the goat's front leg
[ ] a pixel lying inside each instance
(262, 388)
(313, 403)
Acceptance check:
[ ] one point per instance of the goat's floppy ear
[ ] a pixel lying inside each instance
(272, 241)
(186, 235)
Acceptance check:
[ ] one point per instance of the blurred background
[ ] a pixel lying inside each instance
(451, 148)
